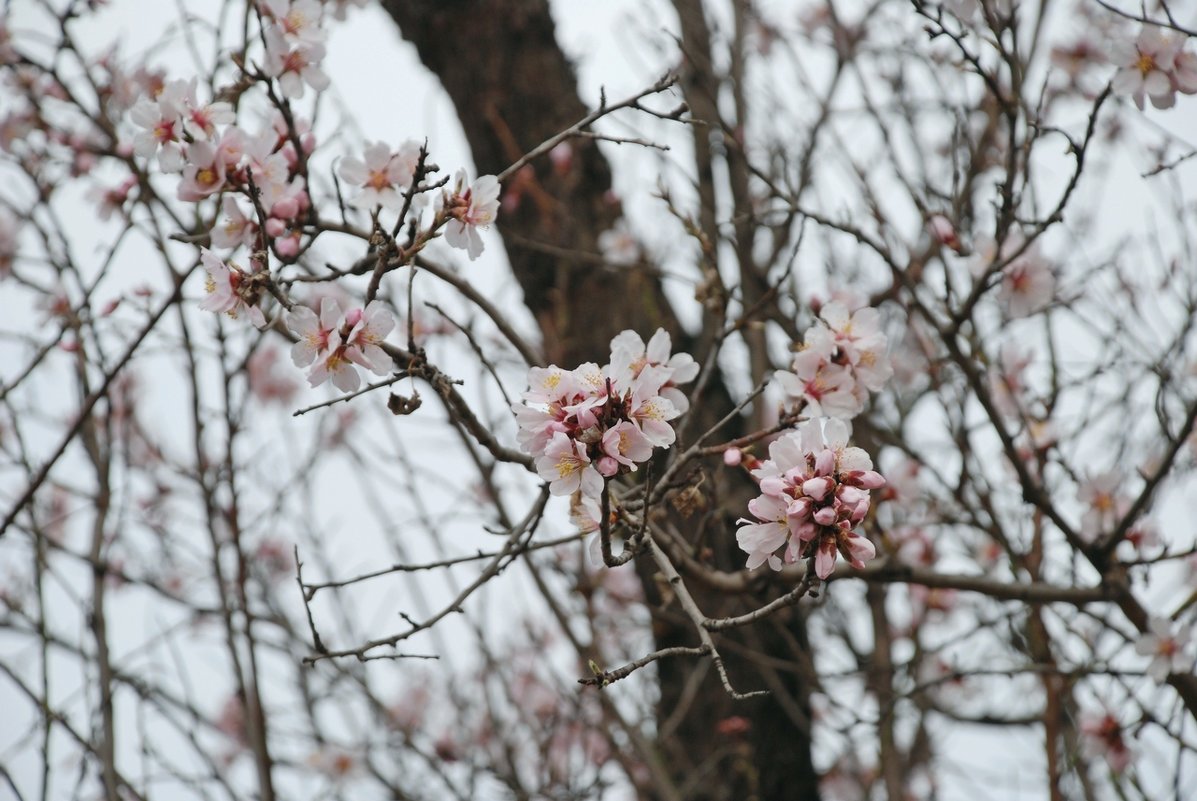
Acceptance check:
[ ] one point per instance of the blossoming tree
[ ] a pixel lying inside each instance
(848, 440)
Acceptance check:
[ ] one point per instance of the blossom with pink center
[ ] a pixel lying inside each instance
(1166, 649)
(237, 229)
(587, 419)
(1145, 67)
(843, 357)
(1106, 499)
(945, 232)
(297, 20)
(333, 364)
(470, 208)
(162, 121)
(1028, 286)
(204, 174)
(630, 356)
(367, 329)
(200, 119)
(625, 443)
(294, 65)
(814, 492)
(313, 331)
(383, 175)
(1104, 740)
(566, 466)
(231, 290)
(650, 410)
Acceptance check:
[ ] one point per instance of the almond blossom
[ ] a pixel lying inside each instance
(162, 121)
(630, 356)
(298, 20)
(814, 492)
(1145, 67)
(231, 290)
(1166, 649)
(383, 175)
(593, 422)
(294, 65)
(1104, 740)
(237, 229)
(843, 357)
(470, 208)
(332, 343)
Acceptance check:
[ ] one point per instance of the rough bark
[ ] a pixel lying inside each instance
(513, 88)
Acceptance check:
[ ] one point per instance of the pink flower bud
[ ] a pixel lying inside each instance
(817, 488)
(353, 317)
(275, 227)
(287, 208)
(825, 516)
(825, 462)
(732, 457)
(868, 479)
(799, 508)
(608, 466)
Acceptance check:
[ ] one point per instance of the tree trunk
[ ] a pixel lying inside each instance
(513, 88)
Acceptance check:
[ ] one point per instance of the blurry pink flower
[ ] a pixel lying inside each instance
(383, 176)
(204, 174)
(237, 228)
(1145, 67)
(294, 66)
(1166, 649)
(230, 290)
(470, 209)
(1104, 740)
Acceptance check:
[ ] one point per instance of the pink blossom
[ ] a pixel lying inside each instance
(1104, 740)
(383, 176)
(237, 229)
(332, 363)
(368, 329)
(204, 174)
(1145, 67)
(630, 356)
(163, 121)
(1166, 649)
(294, 65)
(1106, 500)
(298, 20)
(470, 209)
(625, 443)
(231, 290)
(1028, 286)
(566, 465)
(843, 357)
(815, 491)
(313, 331)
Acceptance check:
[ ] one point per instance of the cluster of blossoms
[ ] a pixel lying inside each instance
(814, 492)
(843, 357)
(593, 422)
(1155, 66)
(294, 44)
(184, 136)
(232, 290)
(332, 342)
